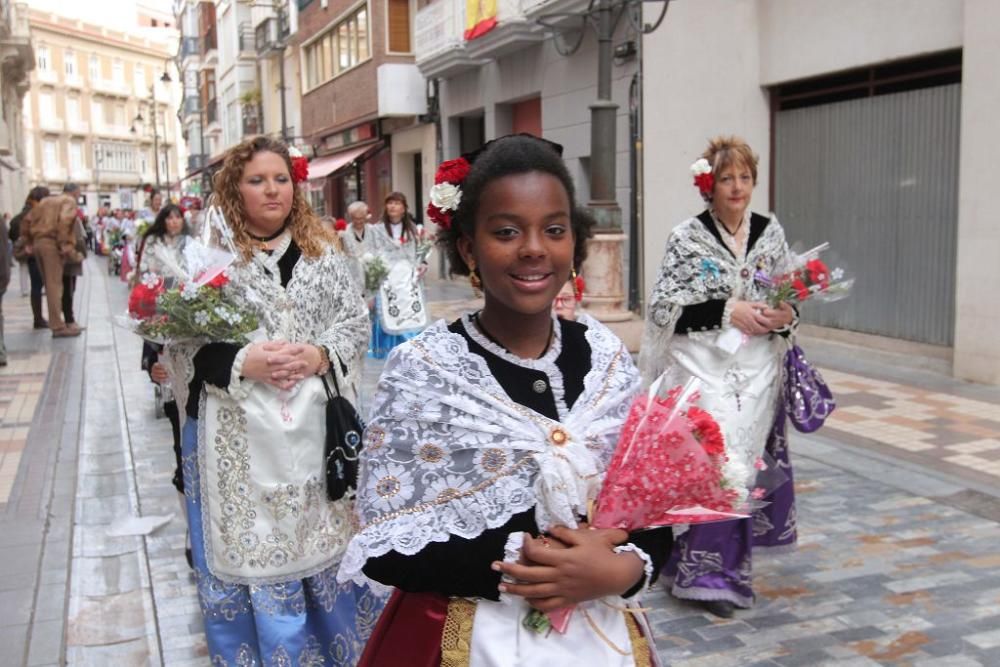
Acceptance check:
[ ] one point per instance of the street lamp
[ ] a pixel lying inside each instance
(567, 30)
(153, 112)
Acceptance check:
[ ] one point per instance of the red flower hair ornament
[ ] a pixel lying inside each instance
(704, 180)
(446, 194)
(300, 165)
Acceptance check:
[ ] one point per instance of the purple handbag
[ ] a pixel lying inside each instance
(808, 400)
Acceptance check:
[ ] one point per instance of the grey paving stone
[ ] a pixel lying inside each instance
(13, 639)
(21, 560)
(109, 575)
(15, 606)
(46, 642)
(50, 602)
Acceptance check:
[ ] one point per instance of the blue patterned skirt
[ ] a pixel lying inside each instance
(314, 621)
(382, 342)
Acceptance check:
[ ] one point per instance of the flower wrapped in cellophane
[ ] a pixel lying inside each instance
(672, 466)
(191, 300)
(375, 271)
(806, 277)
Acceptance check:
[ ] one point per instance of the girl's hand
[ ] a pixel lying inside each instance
(747, 316)
(421, 270)
(552, 578)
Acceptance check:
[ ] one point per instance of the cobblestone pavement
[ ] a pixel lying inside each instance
(897, 563)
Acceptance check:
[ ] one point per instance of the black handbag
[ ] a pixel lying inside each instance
(343, 442)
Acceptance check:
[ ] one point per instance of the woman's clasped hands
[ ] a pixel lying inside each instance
(569, 566)
(757, 319)
(281, 364)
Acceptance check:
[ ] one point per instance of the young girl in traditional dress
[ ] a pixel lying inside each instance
(489, 435)
(400, 304)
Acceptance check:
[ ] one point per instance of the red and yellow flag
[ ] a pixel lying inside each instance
(480, 17)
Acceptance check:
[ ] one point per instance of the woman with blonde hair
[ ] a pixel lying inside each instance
(266, 537)
(707, 317)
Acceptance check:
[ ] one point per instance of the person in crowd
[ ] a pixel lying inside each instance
(400, 303)
(153, 207)
(266, 542)
(167, 236)
(569, 297)
(705, 288)
(48, 233)
(29, 261)
(489, 434)
(72, 270)
(195, 217)
(358, 239)
(5, 270)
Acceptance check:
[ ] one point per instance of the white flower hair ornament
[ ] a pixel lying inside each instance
(704, 180)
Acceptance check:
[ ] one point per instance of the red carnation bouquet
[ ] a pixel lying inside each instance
(671, 466)
(806, 277)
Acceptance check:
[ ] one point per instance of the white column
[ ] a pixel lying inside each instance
(977, 307)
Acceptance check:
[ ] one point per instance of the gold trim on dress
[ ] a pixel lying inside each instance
(456, 637)
(640, 645)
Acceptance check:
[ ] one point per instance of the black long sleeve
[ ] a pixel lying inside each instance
(213, 363)
(701, 316)
(462, 567)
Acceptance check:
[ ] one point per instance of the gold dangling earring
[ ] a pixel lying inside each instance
(475, 281)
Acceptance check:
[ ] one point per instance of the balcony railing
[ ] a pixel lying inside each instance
(246, 40)
(190, 47)
(212, 111)
(73, 80)
(113, 87)
(49, 124)
(80, 175)
(54, 173)
(208, 41)
(47, 76)
(77, 126)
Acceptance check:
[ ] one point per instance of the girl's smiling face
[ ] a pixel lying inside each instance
(523, 242)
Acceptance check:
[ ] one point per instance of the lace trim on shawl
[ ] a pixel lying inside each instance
(695, 269)
(448, 453)
(545, 364)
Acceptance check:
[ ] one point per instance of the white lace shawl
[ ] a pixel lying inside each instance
(150, 261)
(696, 268)
(320, 305)
(447, 452)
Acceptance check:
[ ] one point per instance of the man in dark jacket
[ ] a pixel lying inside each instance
(36, 195)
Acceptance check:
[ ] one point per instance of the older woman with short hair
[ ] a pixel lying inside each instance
(704, 298)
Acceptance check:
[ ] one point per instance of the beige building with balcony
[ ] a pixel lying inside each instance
(17, 59)
(98, 113)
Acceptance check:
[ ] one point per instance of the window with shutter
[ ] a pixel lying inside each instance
(399, 26)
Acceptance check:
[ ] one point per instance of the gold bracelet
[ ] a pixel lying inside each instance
(324, 361)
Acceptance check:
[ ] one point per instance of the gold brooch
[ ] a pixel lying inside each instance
(558, 436)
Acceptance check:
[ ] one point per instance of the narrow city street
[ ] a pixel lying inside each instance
(898, 511)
